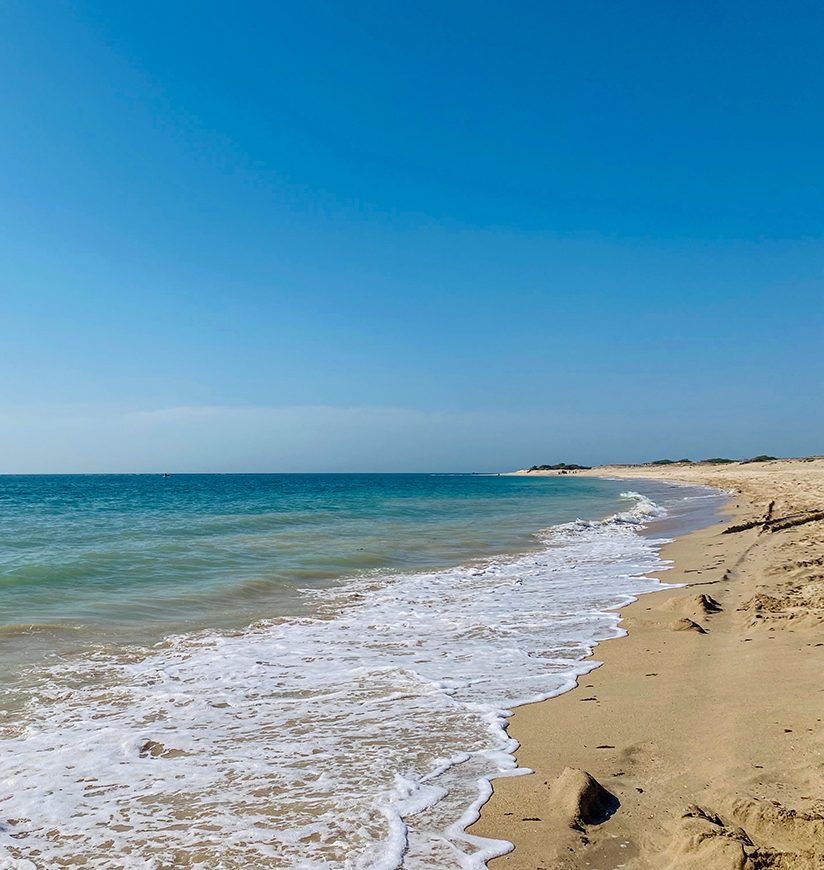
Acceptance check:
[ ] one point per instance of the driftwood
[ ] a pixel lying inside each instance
(742, 527)
(768, 524)
(789, 522)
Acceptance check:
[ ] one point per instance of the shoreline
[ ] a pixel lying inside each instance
(703, 721)
(243, 716)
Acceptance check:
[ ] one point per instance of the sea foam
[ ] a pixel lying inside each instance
(363, 737)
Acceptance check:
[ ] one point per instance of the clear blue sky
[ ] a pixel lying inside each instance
(409, 236)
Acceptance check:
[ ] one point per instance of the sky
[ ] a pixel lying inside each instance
(381, 236)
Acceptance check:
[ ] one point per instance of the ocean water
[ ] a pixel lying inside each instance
(308, 671)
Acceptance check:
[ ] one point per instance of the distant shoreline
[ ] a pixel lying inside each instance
(665, 469)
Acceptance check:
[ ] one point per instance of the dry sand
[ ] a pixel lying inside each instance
(700, 742)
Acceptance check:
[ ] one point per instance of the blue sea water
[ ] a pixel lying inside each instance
(215, 549)
(294, 670)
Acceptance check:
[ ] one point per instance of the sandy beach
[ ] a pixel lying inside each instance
(699, 742)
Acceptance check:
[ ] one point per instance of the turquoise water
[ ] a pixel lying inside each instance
(220, 549)
(295, 671)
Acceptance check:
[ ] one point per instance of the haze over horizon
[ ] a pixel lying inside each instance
(326, 238)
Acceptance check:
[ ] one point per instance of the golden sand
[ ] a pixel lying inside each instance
(700, 742)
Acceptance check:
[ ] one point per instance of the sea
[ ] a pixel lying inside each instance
(228, 671)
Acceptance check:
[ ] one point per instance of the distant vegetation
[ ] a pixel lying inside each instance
(715, 460)
(561, 466)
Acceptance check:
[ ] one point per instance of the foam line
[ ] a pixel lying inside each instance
(364, 737)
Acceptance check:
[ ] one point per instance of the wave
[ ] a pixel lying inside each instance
(19, 629)
(364, 736)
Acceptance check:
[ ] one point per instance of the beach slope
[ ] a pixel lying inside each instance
(700, 742)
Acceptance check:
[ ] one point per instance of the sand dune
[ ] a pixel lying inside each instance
(705, 724)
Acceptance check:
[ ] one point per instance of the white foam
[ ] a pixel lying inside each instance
(362, 738)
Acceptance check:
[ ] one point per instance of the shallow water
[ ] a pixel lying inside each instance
(356, 722)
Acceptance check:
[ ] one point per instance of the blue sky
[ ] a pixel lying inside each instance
(384, 236)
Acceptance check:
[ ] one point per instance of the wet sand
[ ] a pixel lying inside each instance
(700, 741)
